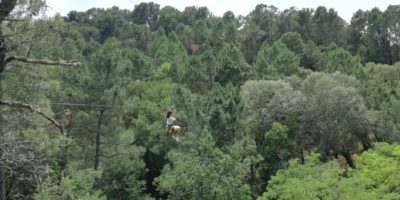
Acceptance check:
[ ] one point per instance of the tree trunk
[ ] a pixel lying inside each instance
(2, 170)
(388, 51)
(2, 67)
(97, 155)
(6, 6)
(378, 139)
(365, 141)
(349, 159)
(63, 162)
(301, 156)
(254, 182)
(210, 80)
(3, 50)
(2, 184)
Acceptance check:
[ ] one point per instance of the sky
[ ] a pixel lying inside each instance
(345, 8)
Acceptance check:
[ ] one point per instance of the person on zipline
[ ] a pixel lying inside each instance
(170, 124)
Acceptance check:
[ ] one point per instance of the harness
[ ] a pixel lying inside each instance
(169, 128)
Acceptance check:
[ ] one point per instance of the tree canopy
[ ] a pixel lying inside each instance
(277, 104)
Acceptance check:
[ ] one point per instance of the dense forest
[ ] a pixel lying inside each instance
(278, 104)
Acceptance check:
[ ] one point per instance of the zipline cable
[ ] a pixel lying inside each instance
(109, 105)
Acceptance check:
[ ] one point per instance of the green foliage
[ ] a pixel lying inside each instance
(334, 109)
(108, 23)
(203, 172)
(381, 92)
(388, 122)
(122, 173)
(200, 32)
(338, 59)
(380, 83)
(311, 56)
(376, 177)
(328, 26)
(196, 75)
(321, 179)
(79, 184)
(251, 92)
(184, 34)
(380, 169)
(232, 67)
(170, 52)
(279, 148)
(222, 112)
(251, 42)
(276, 61)
(167, 18)
(264, 16)
(146, 14)
(271, 101)
(293, 42)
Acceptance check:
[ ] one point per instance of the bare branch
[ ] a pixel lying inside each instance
(17, 33)
(43, 62)
(32, 108)
(14, 19)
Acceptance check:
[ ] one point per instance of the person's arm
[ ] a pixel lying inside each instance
(173, 117)
(173, 112)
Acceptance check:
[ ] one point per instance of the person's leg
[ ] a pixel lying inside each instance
(177, 130)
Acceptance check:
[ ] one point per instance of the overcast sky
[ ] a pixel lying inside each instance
(345, 8)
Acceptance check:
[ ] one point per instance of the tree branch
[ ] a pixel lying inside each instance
(17, 33)
(14, 19)
(43, 62)
(32, 108)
